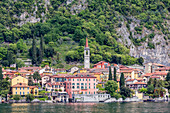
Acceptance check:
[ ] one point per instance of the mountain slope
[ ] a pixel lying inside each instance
(116, 29)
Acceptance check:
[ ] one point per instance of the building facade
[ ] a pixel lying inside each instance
(82, 83)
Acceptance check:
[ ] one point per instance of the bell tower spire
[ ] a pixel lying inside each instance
(86, 55)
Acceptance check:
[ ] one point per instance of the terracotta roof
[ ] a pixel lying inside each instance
(20, 85)
(147, 74)
(163, 68)
(34, 68)
(101, 62)
(33, 87)
(157, 64)
(130, 80)
(82, 75)
(98, 73)
(49, 84)
(55, 83)
(159, 73)
(60, 69)
(23, 71)
(139, 83)
(126, 71)
(155, 77)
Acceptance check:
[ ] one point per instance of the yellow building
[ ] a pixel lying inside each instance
(20, 86)
(19, 79)
(33, 90)
(20, 89)
(81, 71)
(98, 76)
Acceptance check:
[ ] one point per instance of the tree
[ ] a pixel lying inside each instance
(16, 97)
(122, 80)
(34, 56)
(36, 76)
(30, 82)
(140, 60)
(168, 76)
(19, 63)
(143, 90)
(110, 73)
(125, 92)
(111, 86)
(1, 75)
(150, 89)
(29, 97)
(41, 51)
(115, 78)
(10, 58)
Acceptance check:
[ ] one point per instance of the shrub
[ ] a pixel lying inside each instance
(60, 90)
(16, 97)
(116, 95)
(29, 97)
(56, 89)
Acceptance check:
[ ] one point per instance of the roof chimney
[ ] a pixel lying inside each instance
(86, 43)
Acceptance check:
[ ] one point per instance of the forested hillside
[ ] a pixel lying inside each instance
(115, 29)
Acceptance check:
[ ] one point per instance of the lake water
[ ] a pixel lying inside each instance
(135, 107)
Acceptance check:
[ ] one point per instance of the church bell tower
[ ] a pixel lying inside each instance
(86, 55)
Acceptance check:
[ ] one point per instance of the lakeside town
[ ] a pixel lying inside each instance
(104, 82)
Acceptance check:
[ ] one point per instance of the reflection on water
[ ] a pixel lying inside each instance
(137, 107)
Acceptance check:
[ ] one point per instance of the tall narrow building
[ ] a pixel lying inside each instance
(86, 55)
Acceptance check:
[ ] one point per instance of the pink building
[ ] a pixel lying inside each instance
(82, 83)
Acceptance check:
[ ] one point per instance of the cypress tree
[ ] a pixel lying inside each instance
(168, 76)
(34, 56)
(122, 80)
(110, 74)
(1, 75)
(115, 79)
(41, 51)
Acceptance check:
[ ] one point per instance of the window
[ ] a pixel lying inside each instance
(89, 92)
(77, 79)
(73, 87)
(82, 83)
(94, 79)
(89, 87)
(27, 92)
(23, 93)
(20, 93)
(23, 88)
(82, 87)
(85, 92)
(80, 79)
(77, 83)
(73, 83)
(69, 79)
(73, 79)
(16, 88)
(94, 84)
(27, 88)
(16, 93)
(77, 87)
(85, 83)
(86, 79)
(83, 79)
(89, 84)
(94, 87)
(20, 88)
(89, 79)
(94, 92)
